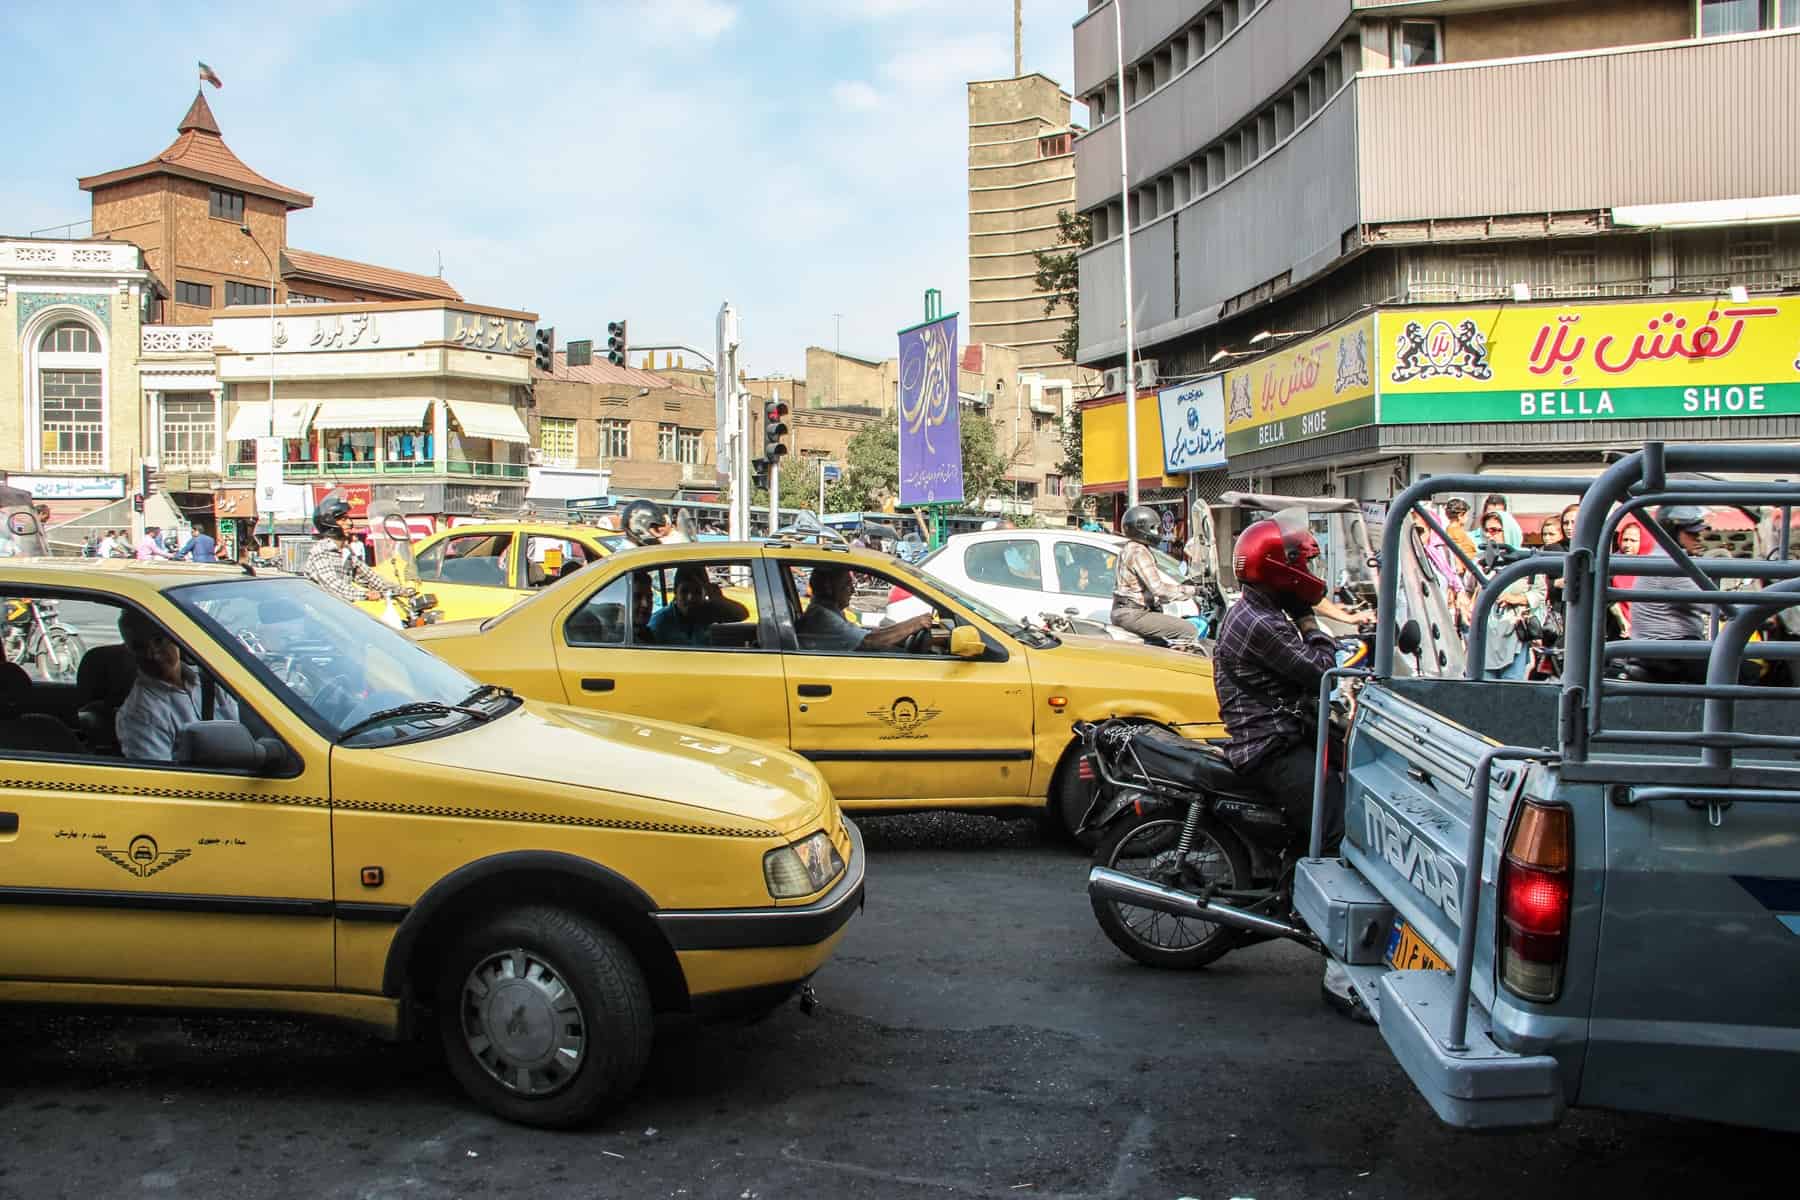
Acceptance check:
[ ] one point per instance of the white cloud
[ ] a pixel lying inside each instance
(676, 20)
(927, 65)
(855, 95)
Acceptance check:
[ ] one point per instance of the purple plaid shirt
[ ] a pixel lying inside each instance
(1265, 672)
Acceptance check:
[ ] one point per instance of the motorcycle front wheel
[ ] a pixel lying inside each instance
(1146, 847)
(59, 655)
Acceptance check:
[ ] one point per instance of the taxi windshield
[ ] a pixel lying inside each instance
(985, 611)
(348, 675)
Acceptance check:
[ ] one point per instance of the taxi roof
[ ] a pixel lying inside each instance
(69, 572)
(685, 551)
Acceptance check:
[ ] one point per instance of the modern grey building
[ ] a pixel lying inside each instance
(1299, 164)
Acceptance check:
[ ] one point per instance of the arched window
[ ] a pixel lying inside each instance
(71, 337)
(71, 397)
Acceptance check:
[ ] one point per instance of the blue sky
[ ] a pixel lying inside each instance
(636, 158)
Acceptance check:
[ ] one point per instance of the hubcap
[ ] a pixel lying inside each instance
(523, 1023)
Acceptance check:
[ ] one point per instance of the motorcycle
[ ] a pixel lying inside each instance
(35, 633)
(410, 609)
(1184, 836)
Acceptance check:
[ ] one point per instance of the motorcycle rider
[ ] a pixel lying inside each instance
(333, 567)
(1140, 589)
(646, 523)
(1269, 660)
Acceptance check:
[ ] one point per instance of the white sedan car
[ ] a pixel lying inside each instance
(1028, 572)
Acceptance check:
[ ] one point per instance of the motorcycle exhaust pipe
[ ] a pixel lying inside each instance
(1104, 883)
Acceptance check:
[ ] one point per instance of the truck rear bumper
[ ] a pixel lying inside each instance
(1479, 1087)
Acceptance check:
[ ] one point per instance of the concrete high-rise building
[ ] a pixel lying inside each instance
(1445, 237)
(1021, 174)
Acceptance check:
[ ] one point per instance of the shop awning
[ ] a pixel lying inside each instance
(497, 421)
(292, 417)
(387, 413)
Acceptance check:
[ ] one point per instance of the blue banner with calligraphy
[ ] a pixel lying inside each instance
(1193, 424)
(931, 468)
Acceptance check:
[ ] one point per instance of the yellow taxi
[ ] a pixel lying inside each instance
(478, 569)
(970, 711)
(254, 797)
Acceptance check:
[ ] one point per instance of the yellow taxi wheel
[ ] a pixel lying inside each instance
(544, 1016)
(1070, 796)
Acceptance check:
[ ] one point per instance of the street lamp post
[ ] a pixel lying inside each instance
(268, 258)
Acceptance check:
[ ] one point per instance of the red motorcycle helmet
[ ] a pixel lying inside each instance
(1281, 555)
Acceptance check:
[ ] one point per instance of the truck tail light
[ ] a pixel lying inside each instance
(1535, 897)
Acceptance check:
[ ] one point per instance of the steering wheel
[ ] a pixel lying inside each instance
(920, 642)
(334, 701)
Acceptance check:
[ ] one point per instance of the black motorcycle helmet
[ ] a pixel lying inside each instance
(640, 521)
(1141, 524)
(329, 514)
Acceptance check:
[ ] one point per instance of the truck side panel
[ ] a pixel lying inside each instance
(1695, 1008)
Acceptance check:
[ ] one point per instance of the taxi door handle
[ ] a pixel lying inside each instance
(593, 683)
(814, 689)
(9, 822)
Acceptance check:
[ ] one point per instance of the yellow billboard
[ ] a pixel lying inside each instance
(1317, 386)
(1669, 358)
(1103, 447)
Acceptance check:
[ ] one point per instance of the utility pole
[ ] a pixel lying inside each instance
(1018, 38)
(732, 450)
(1131, 427)
(774, 477)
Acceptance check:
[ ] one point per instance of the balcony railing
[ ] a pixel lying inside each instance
(325, 470)
(176, 339)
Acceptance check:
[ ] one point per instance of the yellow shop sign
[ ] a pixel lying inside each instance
(1705, 357)
(1319, 386)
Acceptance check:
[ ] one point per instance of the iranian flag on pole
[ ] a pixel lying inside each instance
(207, 76)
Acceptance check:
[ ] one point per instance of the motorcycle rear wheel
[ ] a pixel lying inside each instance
(59, 655)
(1145, 847)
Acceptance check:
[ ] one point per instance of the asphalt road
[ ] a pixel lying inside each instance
(977, 1037)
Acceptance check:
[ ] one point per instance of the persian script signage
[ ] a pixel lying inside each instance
(1321, 385)
(1193, 424)
(1706, 357)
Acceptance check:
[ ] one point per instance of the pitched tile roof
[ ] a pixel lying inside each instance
(601, 371)
(304, 264)
(198, 152)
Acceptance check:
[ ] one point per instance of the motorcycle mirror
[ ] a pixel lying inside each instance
(1409, 639)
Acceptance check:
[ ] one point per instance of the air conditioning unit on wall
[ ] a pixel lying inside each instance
(1146, 372)
(1112, 381)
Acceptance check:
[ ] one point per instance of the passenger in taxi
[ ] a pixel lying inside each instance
(166, 695)
(699, 605)
(824, 627)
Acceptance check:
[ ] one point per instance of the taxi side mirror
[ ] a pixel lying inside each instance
(228, 745)
(965, 642)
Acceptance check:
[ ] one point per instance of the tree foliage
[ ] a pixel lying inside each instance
(1057, 275)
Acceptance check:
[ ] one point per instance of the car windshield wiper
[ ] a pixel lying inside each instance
(487, 691)
(417, 708)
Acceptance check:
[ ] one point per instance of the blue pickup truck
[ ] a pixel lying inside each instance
(1586, 892)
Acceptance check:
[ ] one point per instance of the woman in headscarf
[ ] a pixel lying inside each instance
(1510, 621)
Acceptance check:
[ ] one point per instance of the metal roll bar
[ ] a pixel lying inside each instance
(1547, 564)
(1387, 589)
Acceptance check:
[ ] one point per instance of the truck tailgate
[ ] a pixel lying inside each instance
(1406, 819)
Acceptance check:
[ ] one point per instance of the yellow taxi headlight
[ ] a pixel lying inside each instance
(802, 868)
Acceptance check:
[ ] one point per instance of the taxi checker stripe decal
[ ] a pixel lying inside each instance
(444, 810)
(111, 789)
(392, 806)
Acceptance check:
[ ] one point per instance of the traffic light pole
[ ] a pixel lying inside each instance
(774, 496)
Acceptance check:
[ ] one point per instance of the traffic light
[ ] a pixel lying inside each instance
(543, 354)
(618, 344)
(774, 429)
(759, 473)
(137, 503)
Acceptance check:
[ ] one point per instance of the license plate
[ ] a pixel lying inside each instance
(1407, 951)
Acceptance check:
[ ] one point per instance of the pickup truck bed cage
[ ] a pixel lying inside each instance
(1706, 745)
